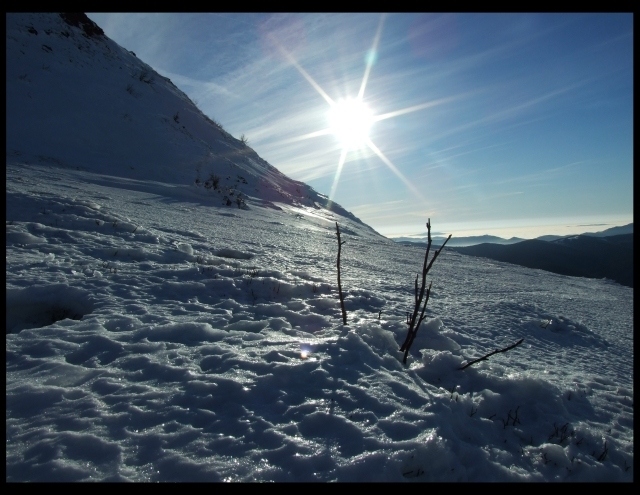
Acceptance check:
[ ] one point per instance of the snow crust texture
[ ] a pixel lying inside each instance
(155, 339)
(158, 328)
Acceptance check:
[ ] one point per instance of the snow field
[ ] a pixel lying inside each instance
(154, 334)
(151, 338)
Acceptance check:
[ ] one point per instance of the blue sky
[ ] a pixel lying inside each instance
(505, 124)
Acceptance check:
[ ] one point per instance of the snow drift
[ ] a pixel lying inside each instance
(155, 333)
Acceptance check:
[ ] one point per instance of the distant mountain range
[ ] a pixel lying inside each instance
(437, 240)
(578, 256)
(624, 229)
(606, 254)
(458, 241)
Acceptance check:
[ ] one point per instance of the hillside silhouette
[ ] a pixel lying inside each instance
(578, 256)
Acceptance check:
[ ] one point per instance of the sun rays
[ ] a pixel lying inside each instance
(350, 120)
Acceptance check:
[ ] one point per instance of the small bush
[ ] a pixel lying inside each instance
(145, 77)
(176, 118)
(214, 122)
(212, 182)
(244, 140)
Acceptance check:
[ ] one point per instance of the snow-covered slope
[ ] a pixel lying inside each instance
(77, 99)
(156, 334)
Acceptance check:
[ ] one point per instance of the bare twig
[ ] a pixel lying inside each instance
(603, 456)
(561, 432)
(492, 353)
(515, 418)
(452, 391)
(340, 243)
(414, 320)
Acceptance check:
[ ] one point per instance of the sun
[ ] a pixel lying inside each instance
(350, 121)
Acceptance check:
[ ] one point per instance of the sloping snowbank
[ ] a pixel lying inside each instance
(155, 338)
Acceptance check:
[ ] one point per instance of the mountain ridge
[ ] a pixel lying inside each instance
(458, 241)
(579, 256)
(72, 89)
(482, 239)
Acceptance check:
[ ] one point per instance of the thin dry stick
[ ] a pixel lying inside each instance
(414, 321)
(412, 335)
(492, 353)
(340, 243)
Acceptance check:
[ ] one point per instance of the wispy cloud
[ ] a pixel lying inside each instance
(460, 103)
(509, 113)
(547, 175)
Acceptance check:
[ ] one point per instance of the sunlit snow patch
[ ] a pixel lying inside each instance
(15, 236)
(185, 247)
(233, 254)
